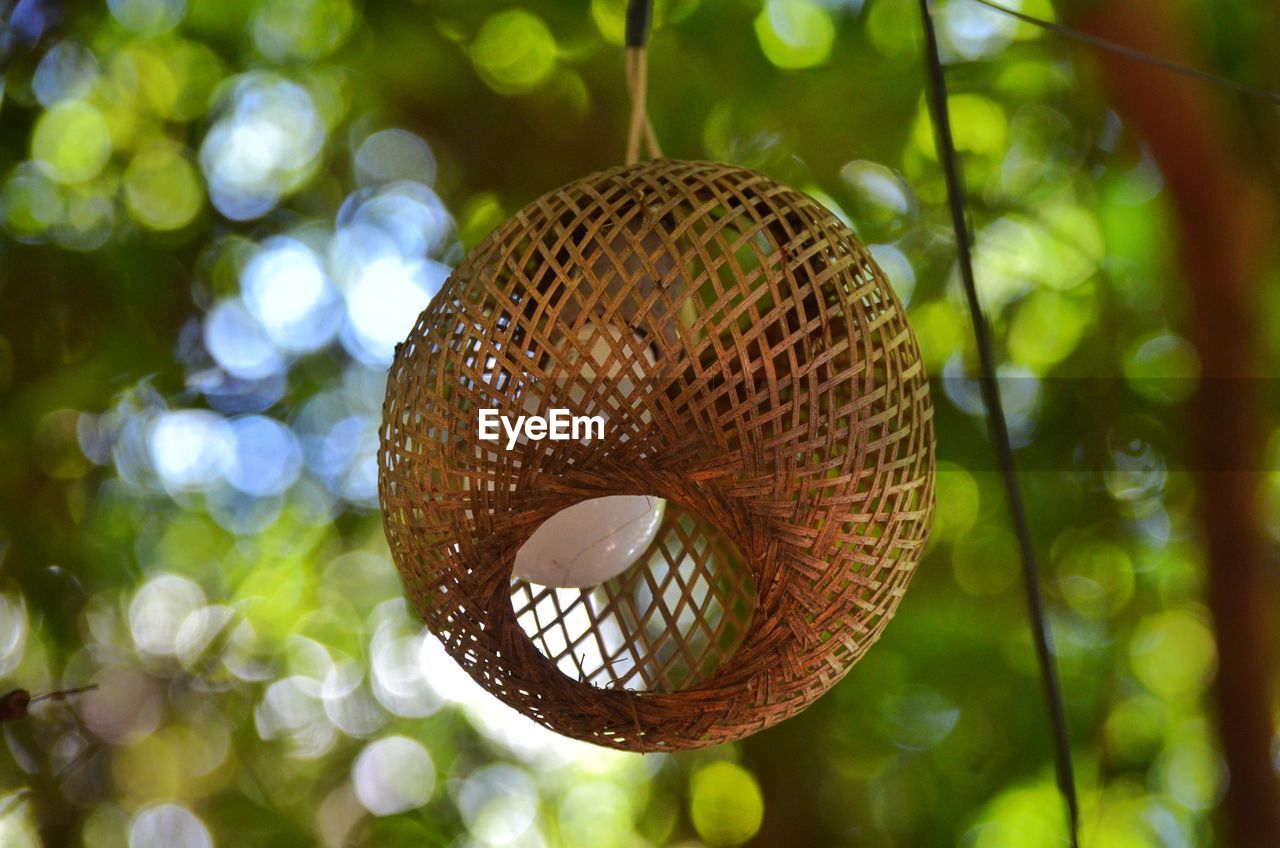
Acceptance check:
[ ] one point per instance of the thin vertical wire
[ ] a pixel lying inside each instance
(1040, 632)
(1127, 52)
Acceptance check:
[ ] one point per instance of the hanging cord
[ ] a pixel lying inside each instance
(639, 19)
(1065, 31)
(1041, 635)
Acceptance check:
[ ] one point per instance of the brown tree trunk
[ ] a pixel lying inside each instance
(1225, 213)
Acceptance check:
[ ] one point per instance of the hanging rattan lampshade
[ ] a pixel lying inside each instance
(755, 374)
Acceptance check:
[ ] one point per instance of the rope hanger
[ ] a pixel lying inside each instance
(639, 19)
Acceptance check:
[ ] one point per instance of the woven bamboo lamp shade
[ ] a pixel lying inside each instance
(757, 377)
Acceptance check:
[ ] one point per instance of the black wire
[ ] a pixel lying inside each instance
(949, 159)
(639, 17)
(1137, 55)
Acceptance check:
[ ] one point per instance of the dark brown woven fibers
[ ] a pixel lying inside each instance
(754, 368)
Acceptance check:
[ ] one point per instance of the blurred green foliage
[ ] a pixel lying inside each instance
(220, 215)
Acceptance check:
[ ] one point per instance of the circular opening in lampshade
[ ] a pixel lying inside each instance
(676, 610)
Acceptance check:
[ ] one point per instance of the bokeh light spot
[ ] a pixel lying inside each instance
(128, 705)
(1163, 367)
(499, 803)
(726, 804)
(393, 775)
(1097, 577)
(1047, 328)
(1173, 654)
(263, 147)
(30, 202)
(149, 16)
(1191, 770)
(168, 826)
(162, 189)
(158, 611)
(596, 814)
(958, 499)
(302, 29)
(514, 52)
(882, 204)
(918, 718)
(386, 300)
(980, 126)
(71, 142)
(267, 457)
(975, 31)
(897, 268)
(189, 449)
(795, 33)
(1021, 817)
(292, 709)
(391, 155)
(67, 71)
(286, 289)
(239, 343)
(17, 825)
(13, 632)
(407, 214)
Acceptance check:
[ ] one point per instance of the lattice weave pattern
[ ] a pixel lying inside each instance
(753, 368)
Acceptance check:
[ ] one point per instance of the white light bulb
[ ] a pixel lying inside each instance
(590, 542)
